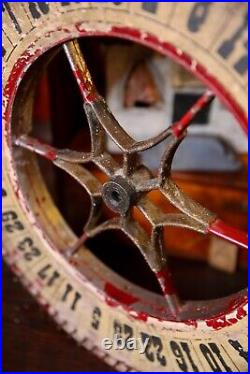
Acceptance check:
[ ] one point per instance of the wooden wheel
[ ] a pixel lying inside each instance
(83, 295)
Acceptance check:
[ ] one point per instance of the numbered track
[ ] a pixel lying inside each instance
(209, 39)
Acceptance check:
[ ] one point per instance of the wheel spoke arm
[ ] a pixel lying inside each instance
(128, 145)
(105, 117)
(80, 71)
(178, 133)
(91, 230)
(104, 161)
(167, 159)
(180, 126)
(229, 233)
(150, 248)
(95, 106)
(82, 176)
(187, 205)
(107, 164)
(93, 187)
(202, 220)
(69, 161)
(97, 133)
(99, 116)
(149, 143)
(123, 140)
(155, 255)
(51, 153)
(112, 127)
(157, 218)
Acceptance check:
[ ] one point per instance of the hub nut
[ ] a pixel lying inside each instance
(118, 194)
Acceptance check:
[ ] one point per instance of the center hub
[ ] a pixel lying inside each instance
(118, 194)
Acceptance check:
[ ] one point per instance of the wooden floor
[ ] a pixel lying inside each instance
(31, 340)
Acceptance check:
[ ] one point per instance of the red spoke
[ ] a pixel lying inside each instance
(80, 71)
(164, 278)
(51, 153)
(179, 127)
(227, 232)
(34, 145)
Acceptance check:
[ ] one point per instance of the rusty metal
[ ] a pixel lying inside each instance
(128, 183)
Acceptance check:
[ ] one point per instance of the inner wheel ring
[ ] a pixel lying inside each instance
(23, 144)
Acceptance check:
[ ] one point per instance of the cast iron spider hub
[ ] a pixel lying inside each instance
(128, 184)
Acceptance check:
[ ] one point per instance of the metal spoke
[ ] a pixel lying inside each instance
(101, 120)
(96, 107)
(186, 205)
(111, 224)
(80, 70)
(76, 246)
(90, 231)
(130, 163)
(155, 255)
(112, 127)
(144, 145)
(70, 161)
(51, 153)
(83, 176)
(151, 249)
(230, 233)
(178, 133)
(167, 158)
(107, 164)
(122, 139)
(143, 179)
(180, 126)
(147, 185)
(93, 187)
(97, 133)
(158, 218)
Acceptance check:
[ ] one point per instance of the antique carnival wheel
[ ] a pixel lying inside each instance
(84, 296)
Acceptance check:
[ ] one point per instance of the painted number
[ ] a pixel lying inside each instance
(213, 357)
(7, 8)
(11, 222)
(183, 355)
(71, 295)
(154, 349)
(228, 46)
(198, 16)
(38, 9)
(96, 318)
(124, 332)
(49, 275)
(238, 347)
(27, 247)
(150, 7)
